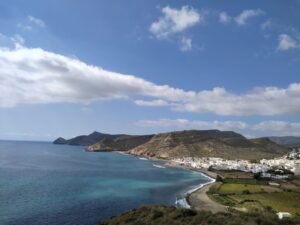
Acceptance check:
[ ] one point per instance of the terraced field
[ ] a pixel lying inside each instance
(255, 196)
(281, 201)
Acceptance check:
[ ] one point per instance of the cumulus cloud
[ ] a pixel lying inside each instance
(35, 76)
(245, 15)
(186, 44)
(262, 128)
(224, 18)
(175, 21)
(259, 101)
(286, 43)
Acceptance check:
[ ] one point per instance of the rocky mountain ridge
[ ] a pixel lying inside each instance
(188, 143)
(289, 141)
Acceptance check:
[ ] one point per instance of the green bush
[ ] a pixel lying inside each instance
(166, 215)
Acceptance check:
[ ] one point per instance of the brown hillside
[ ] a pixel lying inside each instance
(211, 143)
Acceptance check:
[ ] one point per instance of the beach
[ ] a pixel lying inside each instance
(197, 198)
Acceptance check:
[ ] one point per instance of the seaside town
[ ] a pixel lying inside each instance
(289, 162)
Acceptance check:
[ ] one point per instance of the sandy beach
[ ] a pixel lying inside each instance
(198, 198)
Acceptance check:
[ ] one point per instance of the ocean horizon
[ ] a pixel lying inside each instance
(42, 183)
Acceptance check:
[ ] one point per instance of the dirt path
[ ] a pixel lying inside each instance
(199, 200)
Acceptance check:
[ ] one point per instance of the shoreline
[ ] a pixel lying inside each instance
(185, 201)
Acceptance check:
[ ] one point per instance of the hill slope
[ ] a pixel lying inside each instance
(290, 141)
(191, 143)
(210, 143)
(86, 140)
(122, 143)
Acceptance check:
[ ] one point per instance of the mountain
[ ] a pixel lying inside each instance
(208, 143)
(86, 140)
(122, 143)
(60, 141)
(290, 141)
(190, 143)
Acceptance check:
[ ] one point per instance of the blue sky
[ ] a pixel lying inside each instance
(192, 65)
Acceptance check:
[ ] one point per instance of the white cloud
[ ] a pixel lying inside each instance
(24, 26)
(267, 24)
(175, 20)
(259, 101)
(16, 41)
(36, 21)
(280, 127)
(30, 23)
(186, 44)
(34, 76)
(245, 15)
(224, 18)
(286, 42)
(157, 102)
(266, 128)
(31, 76)
(187, 124)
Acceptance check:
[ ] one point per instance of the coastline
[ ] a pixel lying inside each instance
(187, 200)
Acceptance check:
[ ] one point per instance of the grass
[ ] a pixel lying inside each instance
(235, 174)
(239, 188)
(255, 196)
(244, 181)
(281, 201)
(162, 215)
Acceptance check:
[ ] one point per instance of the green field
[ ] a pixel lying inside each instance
(239, 188)
(282, 201)
(235, 174)
(255, 196)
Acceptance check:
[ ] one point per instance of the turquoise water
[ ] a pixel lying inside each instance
(42, 183)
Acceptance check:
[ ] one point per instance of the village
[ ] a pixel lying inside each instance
(280, 167)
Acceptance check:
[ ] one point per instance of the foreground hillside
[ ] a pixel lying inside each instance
(211, 143)
(165, 215)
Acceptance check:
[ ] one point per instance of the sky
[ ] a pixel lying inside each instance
(139, 67)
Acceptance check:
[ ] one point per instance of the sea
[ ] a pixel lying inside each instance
(42, 183)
